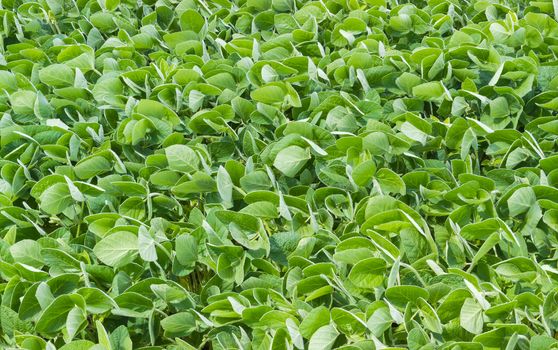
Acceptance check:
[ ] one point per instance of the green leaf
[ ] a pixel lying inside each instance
(323, 338)
(225, 187)
(117, 249)
(363, 173)
(57, 75)
(91, 167)
(55, 199)
(75, 322)
(401, 295)
(27, 252)
(431, 91)
(182, 158)
(389, 181)
(368, 273)
(11, 323)
(471, 316)
(191, 20)
(54, 317)
(268, 94)
(179, 325)
(521, 201)
(379, 321)
(120, 339)
(186, 249)
(315, 319)
(146, 245)
(376, 143)
(291, 160)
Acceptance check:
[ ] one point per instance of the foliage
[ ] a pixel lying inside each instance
(279, 174)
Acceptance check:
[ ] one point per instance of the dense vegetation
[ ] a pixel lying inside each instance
(279, 174)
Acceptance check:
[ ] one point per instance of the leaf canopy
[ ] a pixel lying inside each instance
(278, 174)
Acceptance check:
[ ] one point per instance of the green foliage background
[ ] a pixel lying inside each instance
(278, 174)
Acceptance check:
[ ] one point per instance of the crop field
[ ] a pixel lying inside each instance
(278, 174)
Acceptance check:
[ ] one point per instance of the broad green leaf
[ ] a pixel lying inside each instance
(379, 321)
(117, 249)
(268, 94)
(315, 319)
(57, 75)
(521, 201)
(191, 20)
(187, 249)
(323, 338)
(401, 295)
(471, 316)
(291, 160)
(431, 91)
(368, 273)
(28, 252)
(54, 317)
(146, 245)
(179, 325)
(55, 199)
(182, 158)
(389, 181)
(91, 167)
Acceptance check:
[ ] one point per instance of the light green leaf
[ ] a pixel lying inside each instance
(368, 273)
(117, 249)
(471, 316)
(182, 158)
(323, 338)
(291, 160)
(57, 75)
